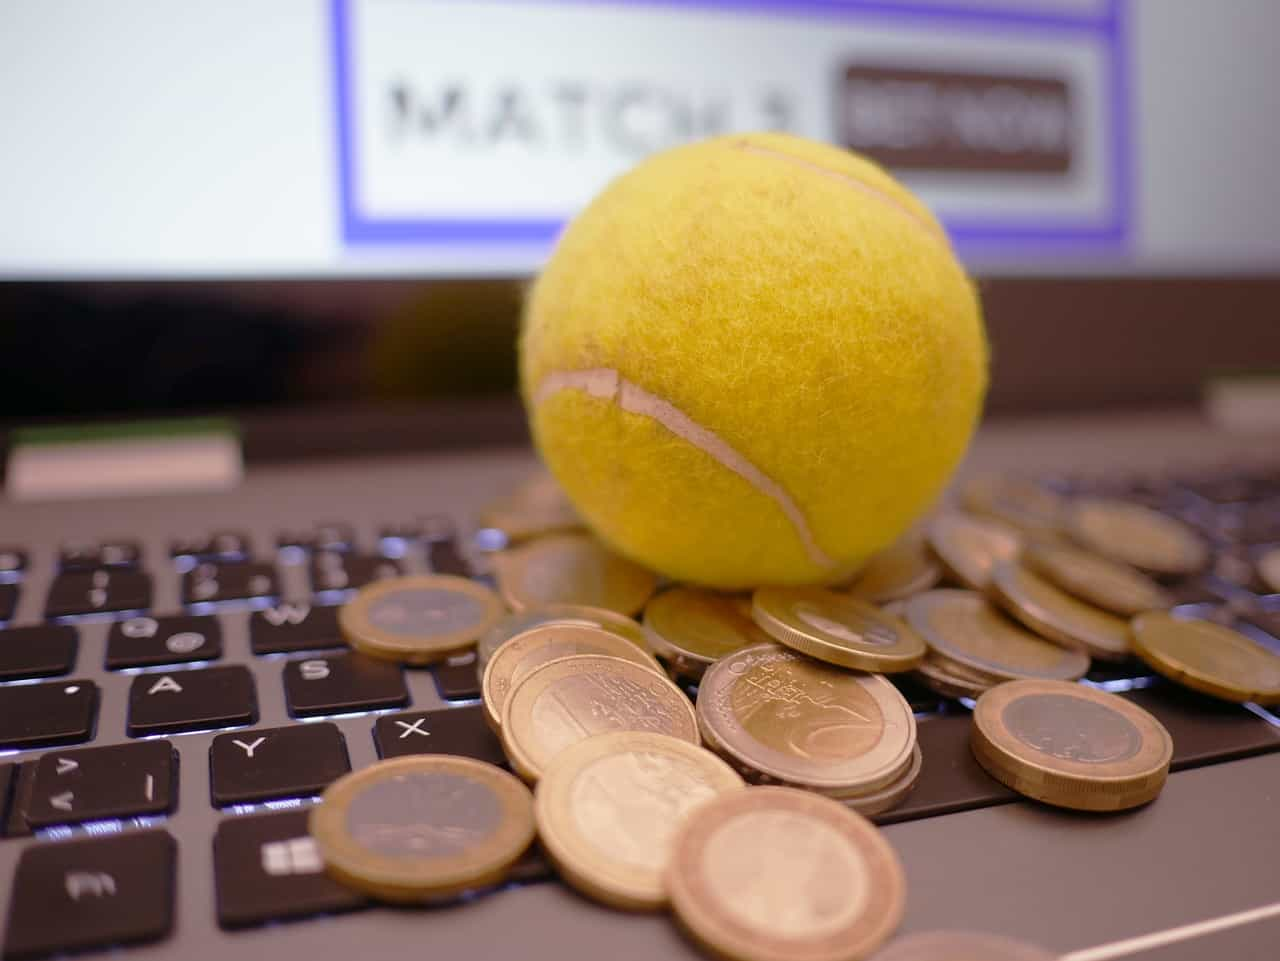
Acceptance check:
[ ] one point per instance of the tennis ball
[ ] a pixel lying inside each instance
(753, 360)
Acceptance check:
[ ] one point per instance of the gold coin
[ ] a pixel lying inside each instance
(535, 508)
(563, 702)
(526, 652)
(960, 946)
(521, 621)
(423, 827)
(1056, 615)
(962, 627)
(774, 874)
(1023, 504)
(938, 677)
(1110, 585)
(794, 720)
(608, 809)
(969, 547)
(1269, 569)
(1070, 745)
(904, 569)
(690, 628)
(418, 619)
(837, 629)
(891, 795)
(1208, 657)
(1137, 535)
(571, 569)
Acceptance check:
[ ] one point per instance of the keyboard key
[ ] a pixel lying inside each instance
(278, 762)
(342, 683)
(120, 555)
(266, 867)
(147, 641)
(457, 678)
(7, 772)
(1204, 729)
(292, 627)
(13, 561)
(341, 571)
(8, 601)
(94, 783)
(43, 651)
(443, 557)
(96, 592)
(210, 583)
(227, 547)
(191, 700)
(24, 779)
(87, 894)
(60, 712)
(460, 730)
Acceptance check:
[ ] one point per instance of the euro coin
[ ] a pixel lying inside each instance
(565, 701)
(960, 946)
(904, 569)
(1056, 615)
(773, 874)
(837, 629)
(418, 619)
(571, 569)
(963, 628)
(969, 547)
(1269, 569)
(1094, 579)
(939, 677)
(891, 795)
(690, 629)
(519, 622)
(538, 506)
(1208, 657)
(1070, 745)
(608, 808)
(1021, 503)
(1137, 535)
(423, 828)
(780, 716)
(548, 642)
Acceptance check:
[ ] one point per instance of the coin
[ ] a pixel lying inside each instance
(891, 795)
(1070, 745)
(1110, 585)
(774, 874)
(423, 827)
(837, 629)
(526, 652)
(960, 946)
(536, 507)
(1269, 569)
(1137, 535)
(782, 716)
(938, 677)
(519, 622)
(969, 547)
(690, 628)
(963, 628)
(608, 808)
(904, 569)
(564, 701)
(1021, 503)
(571, 569)
(1057, 616)
(418, 619)
(1207, 657)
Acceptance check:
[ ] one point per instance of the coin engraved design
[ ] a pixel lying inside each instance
(424, 612)
(423, 815)
(1071, 728)
(868, 632)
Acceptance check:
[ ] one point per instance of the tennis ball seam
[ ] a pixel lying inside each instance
(608, 384)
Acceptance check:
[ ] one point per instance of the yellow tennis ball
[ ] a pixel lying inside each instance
(753, 360)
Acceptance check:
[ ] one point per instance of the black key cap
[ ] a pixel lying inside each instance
(96, 592)
(267, 867)
(24, 779)
(102, 782)
(13, 561)
(341, 571)
(7, 772)
(8, 601)
(278, 762)
(87, 894)
(43, 651)
(120, 555)
(60, 712)
(341, 683)
(457, 678)
(210, 583)
(227, 547)
(292, 627)
(191, 700)
(445, 558)
(460, 730)
(147, 641)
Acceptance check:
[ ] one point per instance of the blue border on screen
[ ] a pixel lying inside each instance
(1111, 233)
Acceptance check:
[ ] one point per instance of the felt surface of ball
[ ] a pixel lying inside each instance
(753, 360)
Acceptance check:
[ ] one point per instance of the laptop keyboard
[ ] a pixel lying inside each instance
(109, 880)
